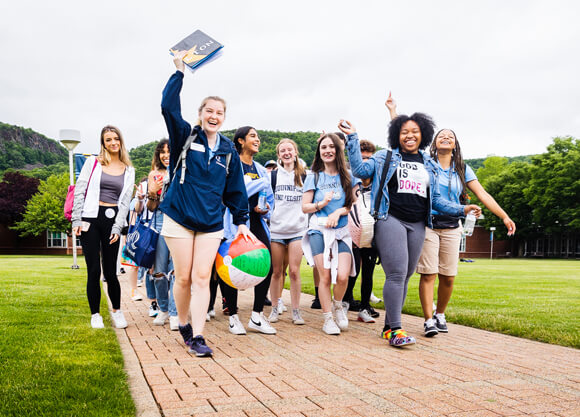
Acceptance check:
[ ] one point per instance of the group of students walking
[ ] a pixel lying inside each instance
(416, 197)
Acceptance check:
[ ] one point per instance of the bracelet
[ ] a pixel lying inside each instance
(316, 206)
(154, 198)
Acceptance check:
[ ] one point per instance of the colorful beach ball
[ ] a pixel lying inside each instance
(242, 264)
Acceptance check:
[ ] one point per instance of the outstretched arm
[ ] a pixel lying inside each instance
(489, 202)
(392, 106)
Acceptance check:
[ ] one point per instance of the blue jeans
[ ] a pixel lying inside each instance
(172, 308)
(162, 265)
(149, 285)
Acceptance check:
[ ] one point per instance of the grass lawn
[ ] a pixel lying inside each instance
(535, 299)
(52, 363)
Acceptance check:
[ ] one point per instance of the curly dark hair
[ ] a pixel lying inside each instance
(425, 123)
(156, 162)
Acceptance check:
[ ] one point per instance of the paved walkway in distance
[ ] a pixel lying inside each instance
(303, 372)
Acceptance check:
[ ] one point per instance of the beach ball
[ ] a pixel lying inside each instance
(241, 263)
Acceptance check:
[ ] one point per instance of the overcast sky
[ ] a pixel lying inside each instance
(504, 75)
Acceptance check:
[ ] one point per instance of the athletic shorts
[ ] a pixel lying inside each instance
(173, 229)
(440, 254)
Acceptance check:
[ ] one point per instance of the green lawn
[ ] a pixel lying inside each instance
(52, 363)
(535, 299)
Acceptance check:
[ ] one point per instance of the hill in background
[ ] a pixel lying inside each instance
(39, 156)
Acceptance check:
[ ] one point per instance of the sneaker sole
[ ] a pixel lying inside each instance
(431, 333)
(201, 355)
(298, 322)
(366, 321)
(260, 330)
(443, 330)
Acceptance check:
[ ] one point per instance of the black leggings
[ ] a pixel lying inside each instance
(95, 242)
(260, 290)
(368, 261)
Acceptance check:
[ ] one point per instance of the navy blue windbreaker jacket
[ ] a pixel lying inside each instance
(197, 203)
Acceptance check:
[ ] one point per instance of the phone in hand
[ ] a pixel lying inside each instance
(345, 124)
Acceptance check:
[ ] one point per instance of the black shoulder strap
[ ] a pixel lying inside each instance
(382, 183)
(315, 180)
(274, 179)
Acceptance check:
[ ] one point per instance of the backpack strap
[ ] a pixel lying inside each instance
(228, 160)
(382, 183)
(183, 155)
(274, 179)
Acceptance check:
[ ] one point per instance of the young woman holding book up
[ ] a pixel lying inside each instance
(405, 178)
(192, 207)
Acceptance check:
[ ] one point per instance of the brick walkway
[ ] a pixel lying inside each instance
(303, 372)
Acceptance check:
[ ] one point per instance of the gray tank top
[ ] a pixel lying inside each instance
(111, 187)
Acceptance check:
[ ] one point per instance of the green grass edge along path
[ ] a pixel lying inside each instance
(535, 299)
(52, 363)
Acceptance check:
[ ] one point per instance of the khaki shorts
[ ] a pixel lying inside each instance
(440, 254)
(173, 229)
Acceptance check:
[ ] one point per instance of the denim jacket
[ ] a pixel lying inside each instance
(373, 168)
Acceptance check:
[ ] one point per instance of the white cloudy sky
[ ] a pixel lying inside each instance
(504, 75)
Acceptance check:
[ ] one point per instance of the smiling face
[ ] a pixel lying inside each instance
(410, 137)
(111, 142)
(445, 140)
(287, 153)
(327, 150)
(251, 143)
(164, 156)
(212, 116)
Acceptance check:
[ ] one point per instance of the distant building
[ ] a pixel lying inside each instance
(48, 243)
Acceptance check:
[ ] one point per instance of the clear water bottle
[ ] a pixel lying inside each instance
(469, 224)
(262, 204)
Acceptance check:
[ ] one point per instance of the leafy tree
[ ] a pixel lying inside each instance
(492, 165)
(15, 190)
(44, 210)
(554, 189)
(508, 188)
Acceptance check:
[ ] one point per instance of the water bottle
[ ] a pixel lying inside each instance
(262, 205)
(469, 224)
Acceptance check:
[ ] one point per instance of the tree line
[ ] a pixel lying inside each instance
(540, 192)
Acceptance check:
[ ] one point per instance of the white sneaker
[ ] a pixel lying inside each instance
(153, 309)
(207, 317)
(236, 326)
(330, 327)
(161, 318)
(365, 316)
(119, 319)
(211, 313)
(374, 299)
(273, 318)
(340, 314)
(296, 317)
(140, 283)
(262, 326)
(174, 323)
(281, 307)
(135, 296)
(97, 321)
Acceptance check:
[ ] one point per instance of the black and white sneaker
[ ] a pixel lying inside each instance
(262, 325)
(440, 322)
(430, 329)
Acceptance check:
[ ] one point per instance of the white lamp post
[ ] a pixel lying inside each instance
(70, 138)
(491, 239)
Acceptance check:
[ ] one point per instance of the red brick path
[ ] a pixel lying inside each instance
(303, 372)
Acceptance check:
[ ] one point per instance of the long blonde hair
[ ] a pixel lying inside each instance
(298, 168)
(104, 156)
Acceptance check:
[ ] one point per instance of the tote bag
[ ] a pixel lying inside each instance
(141, 243)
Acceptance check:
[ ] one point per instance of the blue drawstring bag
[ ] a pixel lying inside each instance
(141, 243)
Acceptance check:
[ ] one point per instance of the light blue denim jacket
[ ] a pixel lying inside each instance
(373, 168)
(253, 187)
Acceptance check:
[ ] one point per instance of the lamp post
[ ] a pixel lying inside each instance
(70, 138)
(491, 239)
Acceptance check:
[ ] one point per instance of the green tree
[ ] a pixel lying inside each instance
(44, 211)
(554, 189)
(508, 189)
(492, 165)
